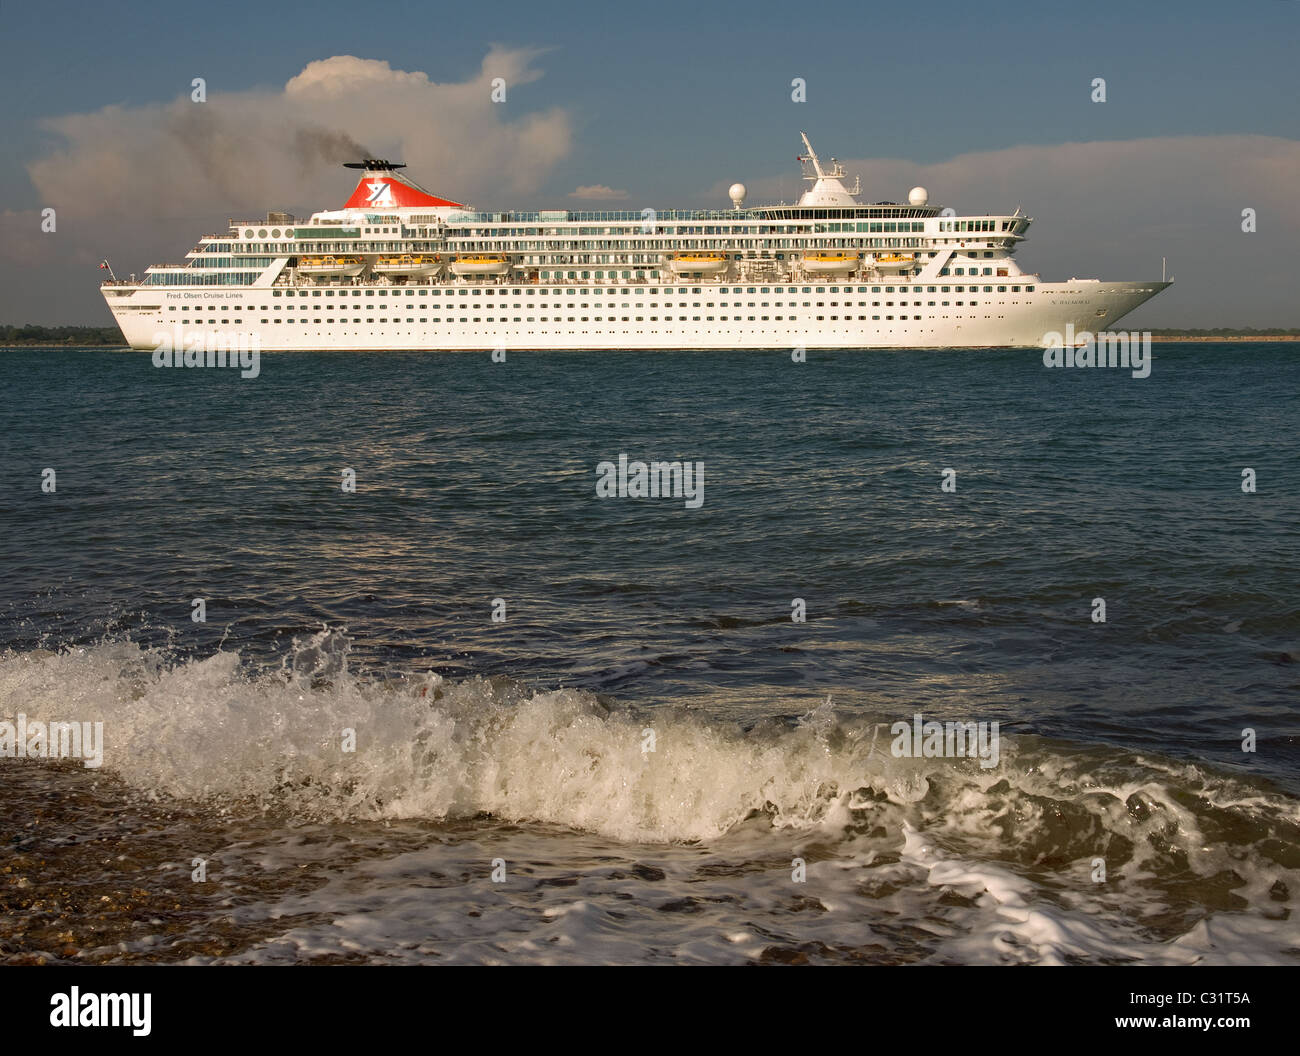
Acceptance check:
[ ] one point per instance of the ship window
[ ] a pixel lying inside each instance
(1015, 289)
(1029, 289)
(275, 293)
(807, 289)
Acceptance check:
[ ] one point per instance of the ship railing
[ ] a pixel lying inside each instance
(295, 221)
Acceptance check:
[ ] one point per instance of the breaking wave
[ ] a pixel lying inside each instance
(1198, 865)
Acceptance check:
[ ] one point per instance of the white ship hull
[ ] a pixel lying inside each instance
(628, 317)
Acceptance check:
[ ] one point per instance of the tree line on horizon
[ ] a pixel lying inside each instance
(62, 335)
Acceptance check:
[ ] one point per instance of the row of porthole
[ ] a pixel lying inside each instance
(275, 233)
(847, 318)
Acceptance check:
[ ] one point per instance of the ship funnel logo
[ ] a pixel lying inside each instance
(381, 193)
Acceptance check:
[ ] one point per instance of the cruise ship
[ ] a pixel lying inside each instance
(401, 268)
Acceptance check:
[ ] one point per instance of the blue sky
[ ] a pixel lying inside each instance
(671, 100)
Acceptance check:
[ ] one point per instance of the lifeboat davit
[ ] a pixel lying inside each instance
(698, 263)
(331, 267)
(475, 264)
(412, 265)
(830, 263)
(895, 261)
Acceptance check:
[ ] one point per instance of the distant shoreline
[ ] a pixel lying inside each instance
(1156, 339)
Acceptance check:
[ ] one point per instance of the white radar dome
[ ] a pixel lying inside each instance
(918, 196)
(737, 194)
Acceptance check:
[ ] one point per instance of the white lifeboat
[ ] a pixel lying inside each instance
(895, 261)
(698, 263)
(830, 263)
(412, 265)
(476, 264)
(329, 267)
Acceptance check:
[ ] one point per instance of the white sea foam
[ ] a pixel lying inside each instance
(887, 839)
(426, 748)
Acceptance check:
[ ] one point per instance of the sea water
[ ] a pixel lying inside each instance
(386, 676)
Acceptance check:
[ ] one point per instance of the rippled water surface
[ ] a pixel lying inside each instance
(526, 740)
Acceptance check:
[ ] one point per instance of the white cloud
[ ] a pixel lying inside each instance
(598, 192)
(141, 183)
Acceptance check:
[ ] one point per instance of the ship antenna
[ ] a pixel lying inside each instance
(812, 157)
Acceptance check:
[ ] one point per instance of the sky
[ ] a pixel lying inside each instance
(630, 105)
